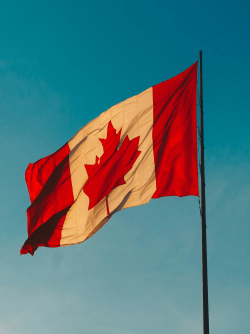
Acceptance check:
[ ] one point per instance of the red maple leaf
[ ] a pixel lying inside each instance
(108, 171)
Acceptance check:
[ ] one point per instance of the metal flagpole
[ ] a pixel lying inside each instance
(203, 213)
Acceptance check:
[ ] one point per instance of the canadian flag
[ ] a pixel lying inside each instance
(144, 147)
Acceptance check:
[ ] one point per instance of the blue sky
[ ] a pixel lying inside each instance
(61, 64)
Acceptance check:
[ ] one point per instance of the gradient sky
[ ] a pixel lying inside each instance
(62, 63)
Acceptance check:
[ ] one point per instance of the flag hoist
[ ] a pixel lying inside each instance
(144, 147)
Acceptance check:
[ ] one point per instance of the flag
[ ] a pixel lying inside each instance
(144, 147)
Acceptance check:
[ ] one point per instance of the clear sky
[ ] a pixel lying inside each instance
(61, 64)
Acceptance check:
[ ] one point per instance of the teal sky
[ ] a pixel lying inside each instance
(62, 63)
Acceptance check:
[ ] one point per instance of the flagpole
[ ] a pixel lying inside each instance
(203, 213)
